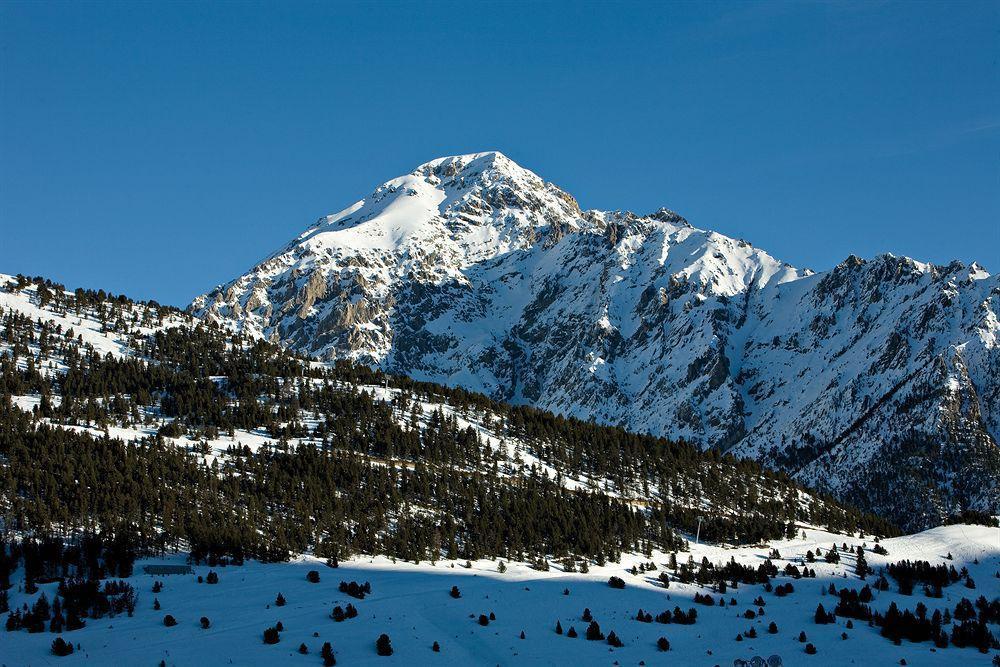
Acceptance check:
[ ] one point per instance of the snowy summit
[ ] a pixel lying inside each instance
(472, 271)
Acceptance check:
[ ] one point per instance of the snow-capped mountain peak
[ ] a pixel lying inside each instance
(474, 271)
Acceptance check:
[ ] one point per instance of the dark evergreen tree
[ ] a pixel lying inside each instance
(327, 654)
(61, 648)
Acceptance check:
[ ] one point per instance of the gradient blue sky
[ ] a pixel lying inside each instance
(160, 149)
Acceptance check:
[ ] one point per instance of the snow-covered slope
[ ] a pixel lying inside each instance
(49, 329)
(473, 271)
(411, 603)
(89, 320)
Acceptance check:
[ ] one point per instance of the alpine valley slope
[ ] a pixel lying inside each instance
(878, 380)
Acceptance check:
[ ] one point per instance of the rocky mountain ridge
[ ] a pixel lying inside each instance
(878, 380)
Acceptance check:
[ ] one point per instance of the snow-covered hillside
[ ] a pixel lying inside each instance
(411, 603)
(878, 380)
(89, 320)
(48, 334)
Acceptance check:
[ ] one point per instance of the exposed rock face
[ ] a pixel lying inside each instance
(877, 380)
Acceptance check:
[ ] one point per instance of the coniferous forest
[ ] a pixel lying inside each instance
(143, 446)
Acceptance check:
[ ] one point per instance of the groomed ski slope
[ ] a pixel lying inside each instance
(411, 603)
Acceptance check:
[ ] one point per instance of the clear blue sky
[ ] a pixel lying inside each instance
(160, 149)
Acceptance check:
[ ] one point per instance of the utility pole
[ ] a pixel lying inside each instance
(697, 536)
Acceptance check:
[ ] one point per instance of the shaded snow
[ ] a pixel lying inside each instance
(411, 603)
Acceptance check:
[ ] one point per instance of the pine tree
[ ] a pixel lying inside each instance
(73, 621)
(61, 648)
(821, 616)
(594, 632)
(327, 654)
(41, 608)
